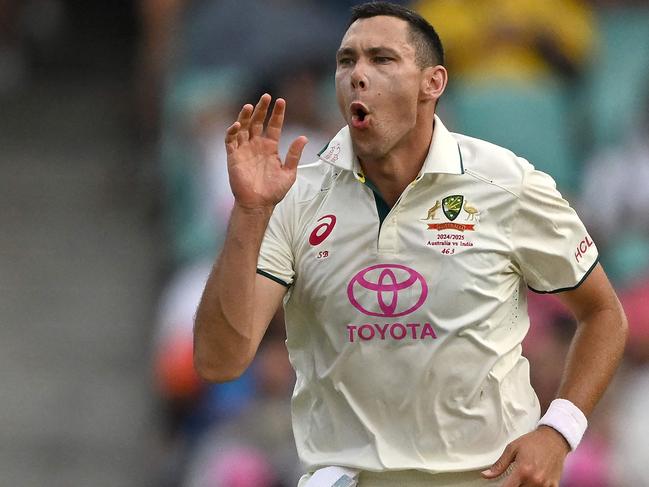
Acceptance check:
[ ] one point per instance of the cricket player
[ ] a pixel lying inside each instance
(402, 258)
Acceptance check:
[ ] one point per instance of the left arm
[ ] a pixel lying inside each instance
(598, 345)
(595, 353)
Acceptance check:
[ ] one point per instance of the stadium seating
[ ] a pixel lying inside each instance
(530, 119)
(618, 79)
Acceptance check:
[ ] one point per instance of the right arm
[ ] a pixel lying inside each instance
(237, 303)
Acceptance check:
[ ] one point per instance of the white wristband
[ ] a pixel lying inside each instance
(567, 419)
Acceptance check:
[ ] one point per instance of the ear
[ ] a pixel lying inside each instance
(433, 82)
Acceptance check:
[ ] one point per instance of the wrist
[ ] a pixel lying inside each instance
(567, 419)
(262, 210)
(558, 437)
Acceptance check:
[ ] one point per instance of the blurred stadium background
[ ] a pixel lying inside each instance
(114, 200)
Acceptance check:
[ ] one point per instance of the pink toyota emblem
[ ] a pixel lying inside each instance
(387, 290)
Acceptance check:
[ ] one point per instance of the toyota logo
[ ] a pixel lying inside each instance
(387, 290)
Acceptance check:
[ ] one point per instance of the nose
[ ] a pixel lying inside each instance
(359, 78)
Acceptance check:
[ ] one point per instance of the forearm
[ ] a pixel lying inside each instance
(237, 305)
(594, 356)
(224, 335)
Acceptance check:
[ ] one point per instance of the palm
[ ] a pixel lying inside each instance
(257, 176)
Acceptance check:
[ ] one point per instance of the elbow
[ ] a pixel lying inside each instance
(217, 358)
(624, 327)
(619, 332)
(623, 324)
(216, 376)
(216, 371)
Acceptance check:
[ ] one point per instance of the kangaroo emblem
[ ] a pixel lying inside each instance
(431, 211)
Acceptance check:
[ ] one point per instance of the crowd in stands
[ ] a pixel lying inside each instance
(560, 82)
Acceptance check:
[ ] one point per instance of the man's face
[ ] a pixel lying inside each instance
(378, 84)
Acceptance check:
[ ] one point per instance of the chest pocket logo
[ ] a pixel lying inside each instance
(322, 231)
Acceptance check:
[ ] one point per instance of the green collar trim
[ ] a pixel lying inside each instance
(323, 149)
(459, 151)
(382, 207)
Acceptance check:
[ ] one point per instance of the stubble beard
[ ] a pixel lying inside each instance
(374, 145)
(377, 146)
(369, 150)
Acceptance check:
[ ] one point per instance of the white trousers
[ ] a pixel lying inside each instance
(414, 478)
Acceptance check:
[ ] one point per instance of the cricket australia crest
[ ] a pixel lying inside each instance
(452, 206)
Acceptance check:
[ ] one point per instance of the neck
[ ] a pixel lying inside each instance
(392, 173)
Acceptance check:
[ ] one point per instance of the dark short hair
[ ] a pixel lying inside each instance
(428, 46)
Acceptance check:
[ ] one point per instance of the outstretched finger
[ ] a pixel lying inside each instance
(295, 152)
(259, 115)
(276, 121)
(244, 121)
(231, 137)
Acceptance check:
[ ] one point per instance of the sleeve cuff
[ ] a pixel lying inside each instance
(571, 288)
(273, 278)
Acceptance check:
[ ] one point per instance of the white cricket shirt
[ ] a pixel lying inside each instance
(406, 334)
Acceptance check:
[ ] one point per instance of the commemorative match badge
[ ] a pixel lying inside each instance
(452, 236)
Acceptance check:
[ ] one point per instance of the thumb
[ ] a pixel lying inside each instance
(501, 464)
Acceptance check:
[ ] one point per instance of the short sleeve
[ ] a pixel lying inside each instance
(551, 245)
(276, 259)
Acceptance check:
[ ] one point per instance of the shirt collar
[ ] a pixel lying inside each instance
(444, 155)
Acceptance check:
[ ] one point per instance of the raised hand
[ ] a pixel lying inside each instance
(257, 176)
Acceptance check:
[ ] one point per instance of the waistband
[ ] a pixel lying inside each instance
(415, 478)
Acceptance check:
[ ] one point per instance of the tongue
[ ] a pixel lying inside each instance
(360, 122)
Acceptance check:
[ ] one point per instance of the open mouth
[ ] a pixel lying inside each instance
(359, 115)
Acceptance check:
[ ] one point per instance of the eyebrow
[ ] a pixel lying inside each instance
(345, 51)
(372, 51)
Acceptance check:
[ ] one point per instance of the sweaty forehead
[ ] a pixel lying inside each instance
(381, 30)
